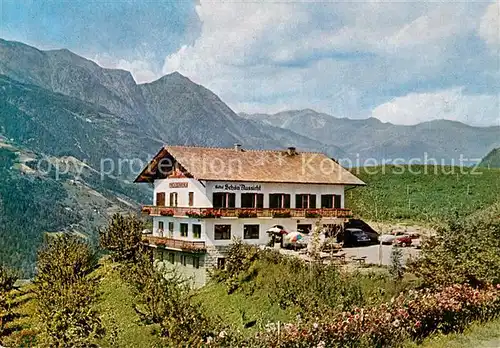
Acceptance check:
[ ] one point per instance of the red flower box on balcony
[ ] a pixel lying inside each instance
(312, 214)
(281, 214)
(166, 212)
(247, 213)
(193, 214)
(204, 214)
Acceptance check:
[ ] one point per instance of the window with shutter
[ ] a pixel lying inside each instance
(279, 200)
(327, 201)
(160, 199)
(305, 201)
(252, 200)
(224, 200)
(173, 199)
(338, 201)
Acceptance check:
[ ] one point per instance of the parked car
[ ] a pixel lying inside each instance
(361, 225)
(416, 243)
(404, 240)
(355, 237)
(389, 238)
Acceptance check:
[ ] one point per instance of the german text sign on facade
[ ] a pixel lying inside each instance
(178, 184)
(238, 187)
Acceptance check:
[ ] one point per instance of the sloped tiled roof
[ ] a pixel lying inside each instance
(229, 164)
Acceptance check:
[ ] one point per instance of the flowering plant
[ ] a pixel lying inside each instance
(210, 214)
(281, 213)
(193, 214)
(204, 214)
(166, 212)
(416, 314)
(146, 210)
(247, 213)
(313, 214)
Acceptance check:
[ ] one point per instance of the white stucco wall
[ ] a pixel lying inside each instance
(237, 226)
(177, 220)
(201, 200)
(203, 196)
(196, 276)
(203, 191)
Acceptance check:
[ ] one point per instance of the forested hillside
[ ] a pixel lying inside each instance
(28, 205)
(34, 201)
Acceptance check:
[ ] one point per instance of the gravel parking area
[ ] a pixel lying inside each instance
(372, 253)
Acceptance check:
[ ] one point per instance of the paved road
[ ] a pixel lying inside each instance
(372, 253)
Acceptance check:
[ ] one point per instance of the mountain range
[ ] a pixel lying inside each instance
(371, 140)
(74, 134)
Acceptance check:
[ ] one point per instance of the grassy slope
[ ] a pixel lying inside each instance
(123, 327)
(122, 324)
(478, 335)
(252, 302)
(492, 159)
(427, 198)
(238, 308)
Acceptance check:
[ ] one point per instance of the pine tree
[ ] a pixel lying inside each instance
(122, 237)
(314, 246)
(396, 269)
(66, 293)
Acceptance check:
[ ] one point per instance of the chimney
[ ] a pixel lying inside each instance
(291, 151)
(237, 147)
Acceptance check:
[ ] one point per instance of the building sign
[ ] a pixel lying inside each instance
(178, 184)
(238, 187)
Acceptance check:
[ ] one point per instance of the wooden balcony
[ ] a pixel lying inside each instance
(177, 244)
(213, 213)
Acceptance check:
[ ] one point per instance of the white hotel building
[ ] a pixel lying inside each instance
(205, 197)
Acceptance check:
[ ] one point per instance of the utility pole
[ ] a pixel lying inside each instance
(380, 254)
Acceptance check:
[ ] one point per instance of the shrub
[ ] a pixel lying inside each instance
(7, 280)
(396, 268)
(415, 314)
(288, 281)
(239, 259)
(464, 252)
(314, 246)
(122, 237)
(66, 293)
(164, 298)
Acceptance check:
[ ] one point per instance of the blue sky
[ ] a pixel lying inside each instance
(402, 62)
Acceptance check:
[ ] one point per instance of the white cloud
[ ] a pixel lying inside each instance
(334, 57)
(141, 70)
(451, 104)
(489, 28)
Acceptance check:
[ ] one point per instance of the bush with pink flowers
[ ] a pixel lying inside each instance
(415, 314)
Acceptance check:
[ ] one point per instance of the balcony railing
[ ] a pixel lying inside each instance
(211, 213)
(171, 243)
